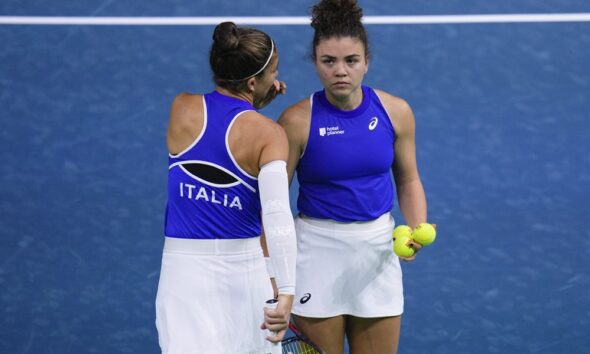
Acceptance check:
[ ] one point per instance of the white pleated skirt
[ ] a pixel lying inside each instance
(347, 269)
(211, 296)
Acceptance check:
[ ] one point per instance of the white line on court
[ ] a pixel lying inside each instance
(290, 20)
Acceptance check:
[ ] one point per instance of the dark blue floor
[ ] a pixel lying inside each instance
(502, 114)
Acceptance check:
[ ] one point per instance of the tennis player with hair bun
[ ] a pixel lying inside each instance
(345, 142)
(227, 177)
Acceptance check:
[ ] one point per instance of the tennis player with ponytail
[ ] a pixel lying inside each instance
(227, 177)
(345, 142)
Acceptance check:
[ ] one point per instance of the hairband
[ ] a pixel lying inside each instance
(272, 49)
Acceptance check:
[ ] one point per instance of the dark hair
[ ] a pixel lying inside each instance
(237, 54)
(337, 18)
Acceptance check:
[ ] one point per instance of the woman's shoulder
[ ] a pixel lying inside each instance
(187, 98)
(259, 124)
(185, 104)
(186, 108)
(394, 105)
(260, 139)
(391, 101)
(185, 121)
(399, 111)
(299, 112)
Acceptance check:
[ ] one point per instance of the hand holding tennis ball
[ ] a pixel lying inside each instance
(401, 246)
(424, 233)
(402, 236)
(402, 230)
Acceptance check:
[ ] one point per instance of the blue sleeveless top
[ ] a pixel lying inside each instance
(345, 171)
(209, 195)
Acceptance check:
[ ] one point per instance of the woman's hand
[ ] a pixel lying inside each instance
(277, 320)
(278, 87)
(416, 246)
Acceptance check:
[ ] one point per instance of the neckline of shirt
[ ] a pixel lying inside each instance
(342, 113)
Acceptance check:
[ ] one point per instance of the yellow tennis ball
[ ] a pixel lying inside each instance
(401, 247)
(402, 230)
(424, 234)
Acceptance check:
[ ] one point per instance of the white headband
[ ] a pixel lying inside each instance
(272, 49)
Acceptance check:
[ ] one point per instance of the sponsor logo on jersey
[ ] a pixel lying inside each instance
(327, 131)
(305, 298)
(373, 123)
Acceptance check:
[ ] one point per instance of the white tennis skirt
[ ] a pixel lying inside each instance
(211, 296)
(347, 269)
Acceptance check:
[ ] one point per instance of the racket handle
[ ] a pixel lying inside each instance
(275, 348)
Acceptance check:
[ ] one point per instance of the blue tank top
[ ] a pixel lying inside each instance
(209, 195)
(345, 171)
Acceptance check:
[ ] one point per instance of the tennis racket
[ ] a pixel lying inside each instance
(298, 343)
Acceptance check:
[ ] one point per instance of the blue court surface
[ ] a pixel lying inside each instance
(503, 135)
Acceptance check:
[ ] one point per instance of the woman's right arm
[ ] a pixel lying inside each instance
(296, 121)
(277, 221)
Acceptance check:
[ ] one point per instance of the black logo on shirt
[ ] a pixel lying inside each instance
(305, 298)
(210, 173)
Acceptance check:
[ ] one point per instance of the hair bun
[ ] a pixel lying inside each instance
(328, 12)
(226, 36)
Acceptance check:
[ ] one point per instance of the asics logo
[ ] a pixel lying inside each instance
(373, 123)
(305, 298)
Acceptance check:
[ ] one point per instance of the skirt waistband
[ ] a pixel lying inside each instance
(212, 246)
(384, 221)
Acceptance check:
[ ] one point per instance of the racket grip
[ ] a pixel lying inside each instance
(275, 348)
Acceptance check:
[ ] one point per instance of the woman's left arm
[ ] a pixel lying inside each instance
(410, 192)
(411, 196)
